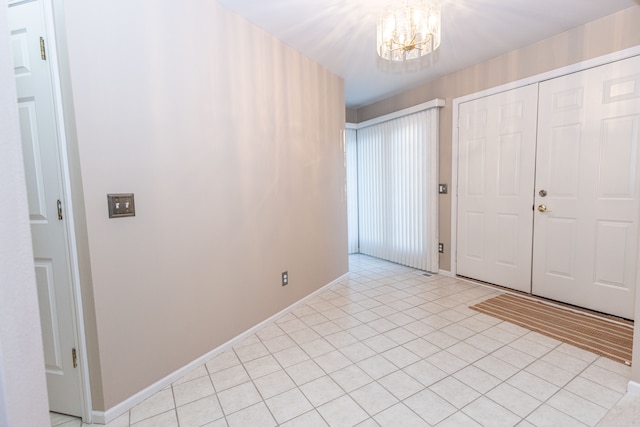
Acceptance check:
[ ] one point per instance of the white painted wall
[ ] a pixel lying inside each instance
(23, 390)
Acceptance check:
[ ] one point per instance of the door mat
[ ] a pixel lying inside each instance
(593, 334)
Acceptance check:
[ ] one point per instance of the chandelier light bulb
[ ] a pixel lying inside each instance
(409, 30)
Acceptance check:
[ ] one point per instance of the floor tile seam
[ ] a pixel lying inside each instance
(547, 402)
(215, 389)
(282, 367)
(296, 385)
(339, 397)
(402, 402)
(69, 423)
(599, 383)
(262, 400)
(580, 423)
(229, 367)
(505, 381)
(174, 410)
(346, 393)
(63, 422)
(524, 369)
(520, 419)
(378, 353)
(574, 376)
(624, 375)
(507, 345)
(381, 410)
(617, 365)
(423, 387)
(59, 423)
(481, 395)
(529, 354)
(538, 405)
(314, 409)
(215, 394)
(533, 375)
(155, 414)
(621, 394)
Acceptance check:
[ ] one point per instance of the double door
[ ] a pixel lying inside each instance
(548, 191)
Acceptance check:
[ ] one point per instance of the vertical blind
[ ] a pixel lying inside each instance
(397, 171)
(352, 189)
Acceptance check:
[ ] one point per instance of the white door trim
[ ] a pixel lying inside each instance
(580, 66)
(83, 365)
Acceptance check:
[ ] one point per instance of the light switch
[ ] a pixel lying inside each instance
(121, 205)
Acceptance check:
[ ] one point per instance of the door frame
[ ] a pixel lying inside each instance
(573, 68)
(76, 289)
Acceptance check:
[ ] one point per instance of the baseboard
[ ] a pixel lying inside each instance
(633, 387)
(114, 412)
(445, 273)
(99, 417)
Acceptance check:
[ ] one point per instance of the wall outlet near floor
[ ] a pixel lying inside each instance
(285, 278)
(441, 248)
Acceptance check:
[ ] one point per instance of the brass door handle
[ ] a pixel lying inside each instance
(542, 208)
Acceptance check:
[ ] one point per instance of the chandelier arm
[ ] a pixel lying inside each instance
(418, 22)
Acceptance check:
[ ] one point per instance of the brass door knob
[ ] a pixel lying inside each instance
(542, 208)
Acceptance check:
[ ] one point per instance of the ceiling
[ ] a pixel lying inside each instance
(341, 35)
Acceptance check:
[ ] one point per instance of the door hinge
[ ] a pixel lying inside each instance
(59, 210)
(43, 53)
(74, 356)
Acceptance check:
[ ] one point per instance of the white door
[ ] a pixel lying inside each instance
(46, 206)
(497, 139)
(588, 160)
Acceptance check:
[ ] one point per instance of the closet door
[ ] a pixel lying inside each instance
(587, 189)
(497, 139)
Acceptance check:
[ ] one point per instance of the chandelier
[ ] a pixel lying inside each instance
(409, 30)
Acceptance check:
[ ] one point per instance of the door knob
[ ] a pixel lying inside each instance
(542, 208)
(542, 193)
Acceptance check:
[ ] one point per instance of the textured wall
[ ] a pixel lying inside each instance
(233, 144)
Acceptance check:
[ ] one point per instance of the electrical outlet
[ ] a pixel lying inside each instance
(285, 278)
(443, 188)
(441, 248)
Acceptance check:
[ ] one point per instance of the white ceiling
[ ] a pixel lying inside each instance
(341, 35)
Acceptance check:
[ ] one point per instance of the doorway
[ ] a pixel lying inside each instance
(50, 213)
(548, 197)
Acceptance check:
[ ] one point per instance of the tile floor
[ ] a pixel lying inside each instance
(388, 346)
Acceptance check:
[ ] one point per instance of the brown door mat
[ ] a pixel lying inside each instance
(605, 338)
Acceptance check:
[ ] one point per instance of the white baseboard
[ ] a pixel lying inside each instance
(633, 387)
(445, 273)
(114, 412)
(98, 417)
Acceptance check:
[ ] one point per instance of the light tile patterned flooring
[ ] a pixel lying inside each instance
(388, 346)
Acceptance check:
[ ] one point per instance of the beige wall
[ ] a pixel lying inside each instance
(609, 34)
(351, 115)
(23, 389)
(233, 145)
